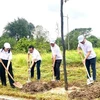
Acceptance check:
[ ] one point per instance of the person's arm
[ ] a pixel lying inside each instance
(32, 63)
(53, 60)
(28, 57)
(8, 64)
(9, 61)
(79, 50)
(88, 54)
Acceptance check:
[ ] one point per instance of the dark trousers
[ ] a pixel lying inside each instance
(57, 69)
(38, 69)
(92, 63)
(3, 73)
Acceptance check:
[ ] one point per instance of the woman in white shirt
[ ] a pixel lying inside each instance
(6, 57)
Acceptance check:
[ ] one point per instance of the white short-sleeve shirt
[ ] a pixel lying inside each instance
(86, 47)
(5, 55)
(35, 55)
(56, 52)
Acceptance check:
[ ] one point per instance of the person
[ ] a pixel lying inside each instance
(89, 56)
(6, 57)
(56, 59)
(36, 60)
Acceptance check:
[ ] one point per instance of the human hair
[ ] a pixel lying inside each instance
(31, 46)
(4, 48)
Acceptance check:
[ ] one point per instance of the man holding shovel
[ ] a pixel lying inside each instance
(56, 59)
(5, 58)
(89, 57)
(36, 60)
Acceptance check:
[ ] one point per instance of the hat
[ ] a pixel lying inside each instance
(80, 38)
(52, 41)
(7, 45)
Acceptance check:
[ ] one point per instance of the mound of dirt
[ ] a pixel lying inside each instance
(86, 93)
(34, 87)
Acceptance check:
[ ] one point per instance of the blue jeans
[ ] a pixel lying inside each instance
(91, 62)
(38, 69)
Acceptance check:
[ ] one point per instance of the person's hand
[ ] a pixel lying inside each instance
(28, 61)
(79, 52)
(52, 65)
(29, 69)
(0, 60)
(83, 61)
(7, 68)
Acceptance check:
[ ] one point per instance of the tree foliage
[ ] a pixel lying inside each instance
(20, 28)
(73, 35)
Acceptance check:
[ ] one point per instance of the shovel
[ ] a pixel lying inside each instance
(29, 73)
(53, 77)
(90, 79)
(16, 84)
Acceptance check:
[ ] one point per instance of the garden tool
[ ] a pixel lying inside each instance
(16, 84)
(29, 72)
(90, 80)
(53, 78)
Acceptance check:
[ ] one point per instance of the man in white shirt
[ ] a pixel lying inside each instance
(89, 55)
(6, 57)
(56, 58)
(36, 59)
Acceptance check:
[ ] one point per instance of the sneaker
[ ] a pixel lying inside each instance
(91, 78)
(89, 81)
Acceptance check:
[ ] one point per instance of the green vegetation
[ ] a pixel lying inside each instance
(75, 70)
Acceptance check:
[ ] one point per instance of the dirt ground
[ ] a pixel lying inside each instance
(35, 87)
(89, 92)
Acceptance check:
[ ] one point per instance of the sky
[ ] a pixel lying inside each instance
(81, 14)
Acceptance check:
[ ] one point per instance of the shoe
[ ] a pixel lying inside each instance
(89, 81)
(4, 84)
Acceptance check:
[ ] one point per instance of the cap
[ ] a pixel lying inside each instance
(7, 45)
(52, 41)
(80, 38)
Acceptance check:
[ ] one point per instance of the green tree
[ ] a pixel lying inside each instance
(73, 37)
(94, 40)
(19, 27)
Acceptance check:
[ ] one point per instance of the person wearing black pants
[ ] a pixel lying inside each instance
(89, 57)
(36, 60)
(56, 59)
(5, 57)
(91, 62)
(2, 73)
(57, 69)
(38, 69)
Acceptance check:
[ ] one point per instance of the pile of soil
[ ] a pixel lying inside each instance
(34, 87)
(86, 93)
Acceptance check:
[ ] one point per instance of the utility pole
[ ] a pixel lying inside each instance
(63, 44)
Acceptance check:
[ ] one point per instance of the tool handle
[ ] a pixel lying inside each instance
(7, 70)
(85, 67)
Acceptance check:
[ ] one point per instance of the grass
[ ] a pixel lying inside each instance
(75, 71)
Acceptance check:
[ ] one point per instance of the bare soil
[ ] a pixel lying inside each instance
(35, 87)
(86, 92)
